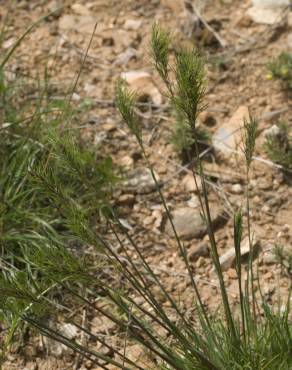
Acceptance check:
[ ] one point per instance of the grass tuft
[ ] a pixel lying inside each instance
(52, 189)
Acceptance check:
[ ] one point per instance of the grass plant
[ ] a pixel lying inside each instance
(36, 148)
(260, 338)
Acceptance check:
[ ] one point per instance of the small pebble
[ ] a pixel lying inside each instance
(286, 228)
(88, 364)
(266, 208)
(237, 189)
(232, 274)
(201, 262)
(268, 275)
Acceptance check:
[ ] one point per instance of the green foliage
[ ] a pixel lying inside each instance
(279, 148)
(281, 68)
(37, 154)
(42, 163)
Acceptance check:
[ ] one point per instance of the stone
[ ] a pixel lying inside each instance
(125, 224)
(177, 6)
(102, 325)
(236, 189)
(269, 290)
(126, 200)
(109, 126)
(147, 220)
(124, 57)
(276, 201)
(132, 24)
(55, 348)
(88, 364)
(189, 184)
(272, 115)
(7, 44)
(140, 181)
(228, 137)
(104, 350)
(271, 3)
(142, 83)
(198, 250)
(68, 330)
(268, 275)
(99, 138)
(189, 223)
(243, 21)
(265, 184)
(76, 97)
(232, 274)
(126, 161)
(58, 349)
(80, 9)
(89, 88)
(269, 257)
(158, 218)
(56, 7)
(227, 260)
(265, 209)
(201, 262)
(30, 351)
(272, 131)
(84, 23)
(135, 353)
(193, 202)
(286, 228)
(267, 11)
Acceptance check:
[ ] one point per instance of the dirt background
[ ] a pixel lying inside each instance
(237, 51)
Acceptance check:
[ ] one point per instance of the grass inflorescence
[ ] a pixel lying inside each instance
(188, 70)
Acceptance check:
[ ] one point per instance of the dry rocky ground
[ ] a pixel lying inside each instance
(237, 44)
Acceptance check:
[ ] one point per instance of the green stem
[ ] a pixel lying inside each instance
(250, 278)
(214, 251)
